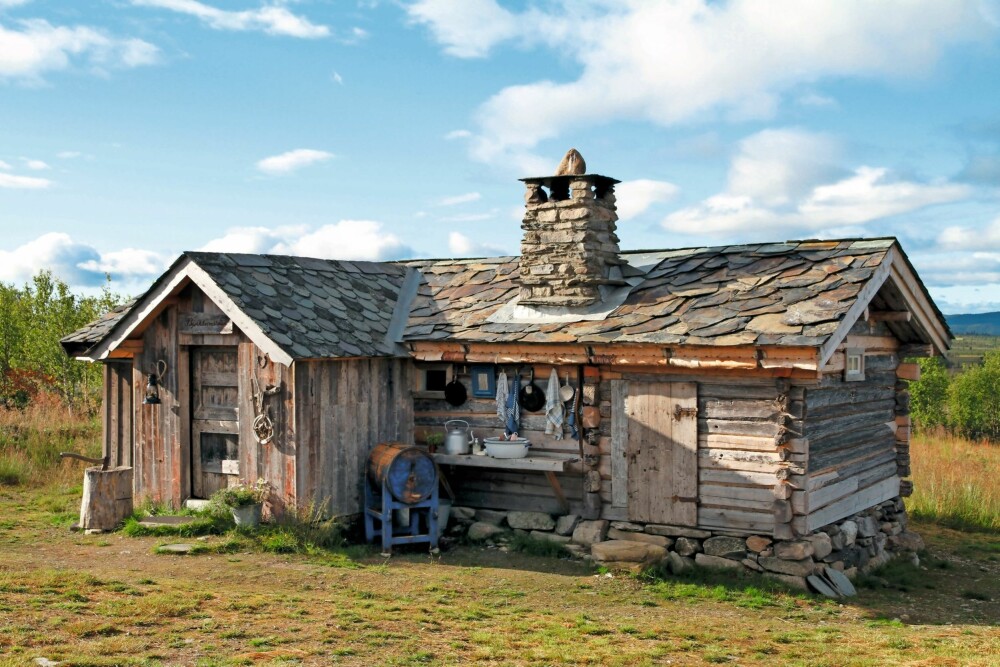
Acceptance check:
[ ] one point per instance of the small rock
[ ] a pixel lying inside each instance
(45, 662)
(590, 532)
(793, 550)
(876, 562)
(627, 526)
(751, 564)
(176, 548)
(851, 573)
(867, 527)
(849, 530)
(677, 531)
(717, 562)
(577, 550)
(462, 514)
(566, 524)
(482, 530)
(686, 546)
(659, 540)
(619, 551)
(839, 581)
(796, 568)
(726, 547)
(490, 516)
(791, 581)
(93, 531)
(907, 541)
(838, 541)
(821, 586)
(549, 537)
(530, 520)
(822, 545)
(831, 530)
(758, 543)
(678, 563)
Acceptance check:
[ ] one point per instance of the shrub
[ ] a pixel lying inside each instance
(974, 400)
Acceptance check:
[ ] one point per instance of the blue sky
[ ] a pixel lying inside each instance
(131, 130)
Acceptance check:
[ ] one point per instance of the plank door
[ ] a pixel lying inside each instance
(215, 426)
(662, 452)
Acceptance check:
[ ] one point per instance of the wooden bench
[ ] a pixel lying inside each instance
(549, 463)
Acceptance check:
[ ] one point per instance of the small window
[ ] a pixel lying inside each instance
(854, 367)
(432, 380)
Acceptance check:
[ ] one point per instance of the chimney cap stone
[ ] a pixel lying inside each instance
(572, 164)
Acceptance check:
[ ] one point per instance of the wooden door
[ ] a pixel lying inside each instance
(215, 426)
(662, 452)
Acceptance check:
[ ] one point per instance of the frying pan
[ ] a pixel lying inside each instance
(454, 392)
(531, 397)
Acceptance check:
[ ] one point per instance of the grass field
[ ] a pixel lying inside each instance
(115, 599)
(968, 350)
(956, 483)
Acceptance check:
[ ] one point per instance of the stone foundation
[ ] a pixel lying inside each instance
(859, 543)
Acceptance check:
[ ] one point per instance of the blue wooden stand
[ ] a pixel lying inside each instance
(379, 504)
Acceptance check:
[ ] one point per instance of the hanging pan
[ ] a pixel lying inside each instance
(454, 392)
(531, 397)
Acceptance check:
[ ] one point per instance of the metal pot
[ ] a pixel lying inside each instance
(456, 440)
(531, 397)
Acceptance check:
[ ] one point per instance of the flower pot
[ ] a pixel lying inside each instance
(247, 515)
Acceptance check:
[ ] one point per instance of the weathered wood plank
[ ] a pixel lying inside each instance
(855, 502)
(619, 444)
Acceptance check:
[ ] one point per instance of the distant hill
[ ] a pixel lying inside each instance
(979, 324)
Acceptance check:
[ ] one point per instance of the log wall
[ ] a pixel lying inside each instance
(851, 429)
(342, 409)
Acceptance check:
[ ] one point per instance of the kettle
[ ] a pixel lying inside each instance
(456, 440)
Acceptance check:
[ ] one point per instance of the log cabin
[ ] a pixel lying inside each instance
(740, 390)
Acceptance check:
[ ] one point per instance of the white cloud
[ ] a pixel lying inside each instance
(34, 165)
(633, 198)
(347, 239)
(460, 199)
(337, 78)
(458, 134)
(79, 264)
(15, 182)
(971, 238)
(271, 18)
(671, 62)
(40, 47)
(778, 165)
(467, 29)
(779, 180)
(292, 160)
(68, 155)
(12, 3)
(461, 245)
(5, 165)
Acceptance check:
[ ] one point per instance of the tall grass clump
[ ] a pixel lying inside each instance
(955, 482)
(32, 437)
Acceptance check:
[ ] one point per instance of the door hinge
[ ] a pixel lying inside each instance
(683, 499)
(684, 412)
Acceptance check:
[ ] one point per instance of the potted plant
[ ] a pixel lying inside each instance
(246, 501)
(434, 440)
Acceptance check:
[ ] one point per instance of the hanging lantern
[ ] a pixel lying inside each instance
(152, 390)
(153, 381)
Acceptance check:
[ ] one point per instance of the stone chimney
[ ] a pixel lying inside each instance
(569, 248)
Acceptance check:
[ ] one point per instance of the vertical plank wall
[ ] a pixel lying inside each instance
(342, 409)
(117, 413)
(158, 457)
(274, 460)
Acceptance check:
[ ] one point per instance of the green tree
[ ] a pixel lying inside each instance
(974, 400)
(929, 394)
(33, 319)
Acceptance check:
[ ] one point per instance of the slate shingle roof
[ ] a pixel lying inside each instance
(84, 338)
(790, 294)
(312, 308)
(786, 294)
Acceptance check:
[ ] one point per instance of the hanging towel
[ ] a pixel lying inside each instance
(502, 398)
(512, 423)
(571, 422)
(553, 408)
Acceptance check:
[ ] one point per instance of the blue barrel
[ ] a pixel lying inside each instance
(407, 471)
